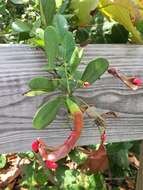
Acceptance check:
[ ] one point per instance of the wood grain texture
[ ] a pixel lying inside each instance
(19, 63)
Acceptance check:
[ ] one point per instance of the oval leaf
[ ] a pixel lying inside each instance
(60, 24)
(20, 26)
(47, 113)
(51, 44)
(48, 9)
(68, 46)
(43, 84)
(94, 70)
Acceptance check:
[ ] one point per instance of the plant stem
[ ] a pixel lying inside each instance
(67, 81)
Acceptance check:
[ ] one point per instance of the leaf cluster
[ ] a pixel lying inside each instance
(63, 59)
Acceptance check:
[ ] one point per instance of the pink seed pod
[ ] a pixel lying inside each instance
(51, 165)
(137, 81)
(86, 84)
(35, 146)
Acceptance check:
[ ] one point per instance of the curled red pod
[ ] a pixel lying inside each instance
(63, 150)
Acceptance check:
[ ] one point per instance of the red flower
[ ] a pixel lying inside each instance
(35, 146)
(51, 165)
(137, 81)
(86, 84)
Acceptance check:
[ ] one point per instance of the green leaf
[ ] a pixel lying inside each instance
(34, 93)
(77, 156)
(82, 10)
(77, 76)
(29, 175)
(2, 161)
(42, 84)
(47, 113)
(51, 45)
(48, 9)
(94, 70)
(76, 58)
(40, 178)
(60, 24)
(82, 35)
(118, 34)
(20, 26)
(58, 3)
(68, 46)
(19, 1)
(100, 182)
(122, 11)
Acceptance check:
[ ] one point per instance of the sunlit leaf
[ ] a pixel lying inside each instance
(20, 26)
(58, 3)
(82, 10)
(34, 93)
(122, 11)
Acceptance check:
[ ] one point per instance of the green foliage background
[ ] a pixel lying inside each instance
(20, 23)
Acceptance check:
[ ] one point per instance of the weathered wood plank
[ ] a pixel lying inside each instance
(19, 63)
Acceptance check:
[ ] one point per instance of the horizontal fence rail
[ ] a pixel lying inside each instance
(19, 63)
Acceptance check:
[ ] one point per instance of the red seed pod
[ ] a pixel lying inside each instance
(51, 165)
(137, 81)
(103, 137)
(86, 84)
(35, 146)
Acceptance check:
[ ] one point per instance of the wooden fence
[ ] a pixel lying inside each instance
(19, 63)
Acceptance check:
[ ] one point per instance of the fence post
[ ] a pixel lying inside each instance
(139, 184)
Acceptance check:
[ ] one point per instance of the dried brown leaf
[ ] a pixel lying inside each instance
(97, 160)
(133, 160)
